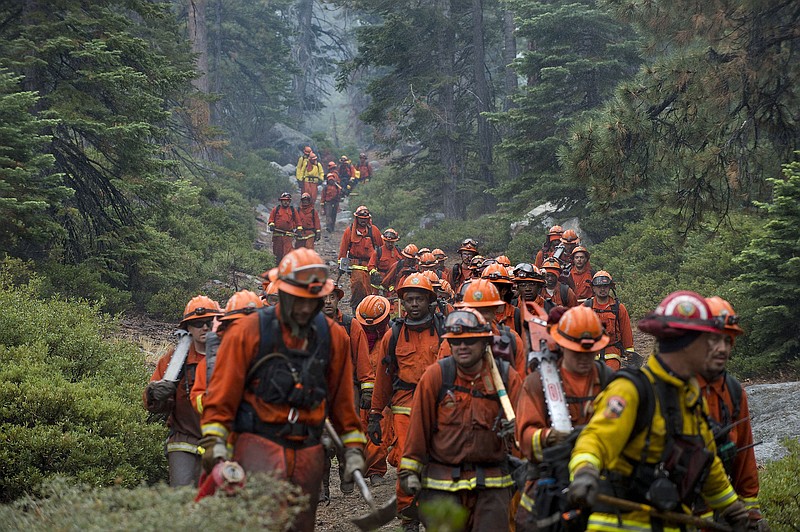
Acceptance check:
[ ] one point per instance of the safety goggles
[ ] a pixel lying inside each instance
(199, 324)
(461, 322)
(726, 320)
(201, 311)
(305, 275)
(469, 242)
(390, 235)
(601, 281)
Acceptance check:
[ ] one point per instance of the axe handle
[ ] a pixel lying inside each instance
(505, 402)
(672, 517)
(357, 476)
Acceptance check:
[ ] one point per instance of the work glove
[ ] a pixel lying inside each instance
(374, 428)
(583, 489)
(737, 516)
(409, 482)
(366, 399)
(375, 278)
(506, 429)
(554, 437)
(160, 395)
(317, 236)
(214, 450)
(353, 461)
(271, 227)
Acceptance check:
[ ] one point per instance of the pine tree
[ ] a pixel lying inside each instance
(770, 287)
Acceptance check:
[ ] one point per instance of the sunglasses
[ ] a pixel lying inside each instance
(199, 324)
(463, 341)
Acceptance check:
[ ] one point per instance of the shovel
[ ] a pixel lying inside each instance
(380, 515)
(670, 517)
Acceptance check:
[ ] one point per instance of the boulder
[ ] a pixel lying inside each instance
(432, 220)
(288, 142)
(544, 216)
(286, 169)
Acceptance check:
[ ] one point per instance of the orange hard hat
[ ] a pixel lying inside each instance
(432, 277)
(723, 310)
(525, 271)
(312, 156)
(679, 312)
(331, 164)
(423, 250)
(502, 259)
(481, 293)
(439, 254)
(410, 251)
(552, 264)
(466, 323)
(337, 289)
(362, 212)
(427, 259)
(580, 329)
(285, 196)
(303, 273)
(305, 196)
(444, 286)
(241, 304)
(373, 310)
(581, 249)
(556, 230)
(200, 307)
(416, 281)
(476, 262)
(390, 235)
(307, 150)
(469, 244)
(496, 273)
(602, 278)
(570, 237)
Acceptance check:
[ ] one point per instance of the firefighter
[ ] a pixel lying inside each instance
(373, 315)
(277, 423)
(649, 433)
(453, 451)
(329, 202)
(509, 315)
(727, 405)
(402, 268)
(529, 281)
(308, 219)
(581, 273)
(347, 173)
(309, 176)
(172, 398)
(615, 319)
(570, 240)
(406, 349)
(271, 295)
(284, 224)
(427, 262)
(240, 304)
(383, 259)
(363, 168)
(555, 292)
(579, 335)
(461, 272)
(363, 375)
(440, 305)
(549, 246)
(441, 267)
(358, 243)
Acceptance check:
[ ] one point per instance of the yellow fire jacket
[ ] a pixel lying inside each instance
(605, 442)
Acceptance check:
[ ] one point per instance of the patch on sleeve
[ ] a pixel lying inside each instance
(614, 407)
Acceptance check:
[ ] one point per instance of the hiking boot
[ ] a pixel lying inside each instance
(376, 480)
(347, 487)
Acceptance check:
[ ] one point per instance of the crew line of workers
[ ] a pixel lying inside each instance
(416, 369)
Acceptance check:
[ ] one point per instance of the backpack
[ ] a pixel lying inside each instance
(369, 235)
(615, 309)
(347, 322)
(448, 366)
(390, 360)
(564, 291)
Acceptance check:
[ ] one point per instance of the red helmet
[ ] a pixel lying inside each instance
(416, 281)
(241, 304)
(496, 273)
(580, 329)
(302, 273)
(373, 310)
(200, 307)
(679, 312)
(723, 311)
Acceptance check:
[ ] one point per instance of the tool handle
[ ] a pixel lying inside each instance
(673, 517)
(357, 476)
(505, 402)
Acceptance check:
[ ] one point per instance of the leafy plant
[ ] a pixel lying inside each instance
(779, 486)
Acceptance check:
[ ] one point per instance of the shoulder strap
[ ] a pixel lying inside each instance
(347, 322)
(438, 323)
(644, 389)
(378, 252)
(448, 366)
(735, 389)
(517, 320)
(390, 360)
(507, 330)
(605, 373)
(564, 293)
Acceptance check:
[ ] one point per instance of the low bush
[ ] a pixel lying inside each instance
(780, 486)
(265, 504)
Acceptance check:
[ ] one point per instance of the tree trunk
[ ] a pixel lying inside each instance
(447, 145)
(302, 53)
(199, 107)
(510, 80)
(483, 104)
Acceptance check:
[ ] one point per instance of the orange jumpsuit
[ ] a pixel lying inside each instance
(506, 317)
(452, 445)
(183, 421)
(331, 194)
(520, 361)
(363, 370)
(283, 220)
(358, 244)
(376, 454)
(542, 254)
(744, 473)
(308, 219)
(571, 301)
(294, 456)
(309, 176)
(364, 170)
(582, 281)
(533, 422)
(457, 280)
(383, 259)
(619, 331)
(416, 349)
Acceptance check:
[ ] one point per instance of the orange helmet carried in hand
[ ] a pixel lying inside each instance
(303, 273)
(200, 307)
(466, 323)
(241, 304)
(580, 329)
(723, 310)
(410, 251)
(373, 310)
(481, 293)
(496, 273)
(416, 281)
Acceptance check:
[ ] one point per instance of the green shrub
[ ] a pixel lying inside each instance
(265, 504)
(70, 399)
(780, 486)
(85, 281)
